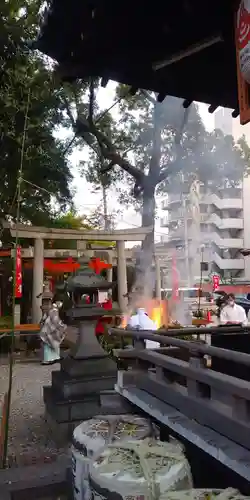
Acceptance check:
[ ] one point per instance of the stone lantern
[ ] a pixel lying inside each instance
(85, 316)
(46, 297)
(76, 391)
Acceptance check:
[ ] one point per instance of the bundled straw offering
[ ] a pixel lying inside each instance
(145, 468)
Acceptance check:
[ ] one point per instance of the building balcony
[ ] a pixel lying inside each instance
(222, 223)
(171, 200)
(176, 234)
(229, 264)
(164, 221)
(173, 216)
(222, 203)
(224, 242)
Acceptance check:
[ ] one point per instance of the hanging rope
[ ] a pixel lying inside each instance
(12, 349)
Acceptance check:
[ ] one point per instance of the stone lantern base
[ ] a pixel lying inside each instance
(84, 385)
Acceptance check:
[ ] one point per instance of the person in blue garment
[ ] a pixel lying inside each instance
(52, 334)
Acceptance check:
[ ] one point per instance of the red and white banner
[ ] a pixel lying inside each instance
(216, 282)
(243, 38)
(19, 281)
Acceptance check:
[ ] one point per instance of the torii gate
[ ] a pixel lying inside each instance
(39, 234)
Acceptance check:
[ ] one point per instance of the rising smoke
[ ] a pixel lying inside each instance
(192, 157)
(168, 123)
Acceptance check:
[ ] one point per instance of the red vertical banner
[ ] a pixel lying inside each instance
(19, 281)
(216, 282)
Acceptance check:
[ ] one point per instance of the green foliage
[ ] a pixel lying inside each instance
(25, 75)
(71, 220)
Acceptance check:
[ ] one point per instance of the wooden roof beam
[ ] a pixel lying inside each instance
(198, 47)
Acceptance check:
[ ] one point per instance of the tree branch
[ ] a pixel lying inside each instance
(69, 112)
(91, 100)
(87, 130)
(171, 168)
(109, 152)
(107, 168)
(168, 170)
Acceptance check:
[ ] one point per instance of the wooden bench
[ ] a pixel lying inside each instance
(21, 329)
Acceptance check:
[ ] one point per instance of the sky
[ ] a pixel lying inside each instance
(86, 200)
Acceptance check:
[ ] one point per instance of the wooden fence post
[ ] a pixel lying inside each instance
(195, 388)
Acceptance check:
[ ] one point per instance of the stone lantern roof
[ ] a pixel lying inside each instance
(86, 280)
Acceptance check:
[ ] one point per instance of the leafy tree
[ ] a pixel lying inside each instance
(149, 146)
(27, 87)
(153, 142)
(71, 220)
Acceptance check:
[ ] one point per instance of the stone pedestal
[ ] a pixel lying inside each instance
(84, 386)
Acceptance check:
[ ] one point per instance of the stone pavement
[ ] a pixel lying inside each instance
(30, 438)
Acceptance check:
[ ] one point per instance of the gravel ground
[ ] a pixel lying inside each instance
(30, 437)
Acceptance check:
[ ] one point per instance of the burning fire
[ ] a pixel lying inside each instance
(124, 321)
(156, 309)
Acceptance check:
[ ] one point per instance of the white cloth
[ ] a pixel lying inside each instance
(141, 321)
(235, 314)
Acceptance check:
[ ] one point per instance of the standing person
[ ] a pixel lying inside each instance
(52, 334)
(232, 313)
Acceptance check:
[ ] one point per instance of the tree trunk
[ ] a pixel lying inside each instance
(144, 274)
(105, 208)
(147, 277)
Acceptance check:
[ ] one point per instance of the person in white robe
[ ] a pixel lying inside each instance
(232, 313)
(141, 321)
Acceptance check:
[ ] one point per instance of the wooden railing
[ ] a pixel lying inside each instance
(177, 374)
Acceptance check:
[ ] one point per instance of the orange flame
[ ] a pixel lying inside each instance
(124, 321)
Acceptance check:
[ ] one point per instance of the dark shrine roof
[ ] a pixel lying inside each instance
(124, 40)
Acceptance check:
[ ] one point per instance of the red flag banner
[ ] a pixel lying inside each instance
(19, 281)
(216, 283)
(97, 265)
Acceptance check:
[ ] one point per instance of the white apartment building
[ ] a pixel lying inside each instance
(219, 229)
(223, 120)
(213, 231)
